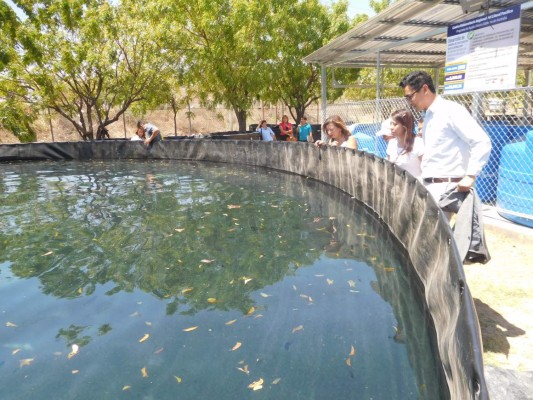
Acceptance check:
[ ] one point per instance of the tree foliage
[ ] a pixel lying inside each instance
(304, 27)
(230, 42)
(89, 61)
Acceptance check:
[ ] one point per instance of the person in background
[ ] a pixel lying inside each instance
(137, 135)
(267, 134)
(405, 149)
(385, 130)
(304, 130)
(338, 133)
(151, 132)
(420, 126)
(455, 146)
(285, 128)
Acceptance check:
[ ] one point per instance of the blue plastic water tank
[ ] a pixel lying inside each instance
(515, 184)
(486, 183)
(365, 142)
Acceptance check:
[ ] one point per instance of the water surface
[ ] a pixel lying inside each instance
(165, 280)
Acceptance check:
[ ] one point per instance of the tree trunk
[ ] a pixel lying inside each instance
(241, 118)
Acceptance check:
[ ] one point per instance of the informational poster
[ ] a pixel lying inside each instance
(482, 53)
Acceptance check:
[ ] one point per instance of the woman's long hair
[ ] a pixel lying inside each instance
(405, 118)
(339, 123)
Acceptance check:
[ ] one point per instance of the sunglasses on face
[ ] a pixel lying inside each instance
(409, 97)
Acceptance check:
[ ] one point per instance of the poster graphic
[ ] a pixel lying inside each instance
(482, 52)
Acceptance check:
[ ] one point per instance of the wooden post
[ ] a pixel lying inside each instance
(50, 122)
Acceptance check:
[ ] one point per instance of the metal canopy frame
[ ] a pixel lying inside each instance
(411, 33)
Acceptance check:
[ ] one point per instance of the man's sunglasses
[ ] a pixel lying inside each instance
(409, 97)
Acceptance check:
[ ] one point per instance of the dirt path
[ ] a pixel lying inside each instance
(503, 295)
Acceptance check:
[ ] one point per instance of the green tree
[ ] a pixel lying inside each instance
(231, 46)
(14, 116)
(380, 5)
(304, 27)
(88, 61)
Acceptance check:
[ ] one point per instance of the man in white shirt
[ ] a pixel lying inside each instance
(456, 147)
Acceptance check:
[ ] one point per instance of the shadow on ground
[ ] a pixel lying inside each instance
(495, 329)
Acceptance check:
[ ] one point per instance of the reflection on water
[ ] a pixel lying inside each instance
(193, 281)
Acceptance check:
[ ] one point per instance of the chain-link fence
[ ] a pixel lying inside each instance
(506, 181)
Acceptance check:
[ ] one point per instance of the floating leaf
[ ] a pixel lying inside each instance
(75, 371)
(144, 338)
(25, 362)
(352, 351)
(144, 372)
(11, 325)
(80, 290)
(148, 323)
(178, 379)
(135, 314)
(237, 345)
(256, 385)
(207, 261)
(258, 316)
(187, 290)
(47, 254)
(349, 362)
(265, 295)
(294, 287)
(15, 351)
(276, 381)
(192, 328)
(231, 206)
(308, 298)
(179, 229)
(251, 311)
(298, 328)
(75, 350)
(159, 350)
(244, 369)
(211, 300)
(388, 269)
(329, 281)
(127, 387)
(351, 283)
(246, 280)
(231, 322)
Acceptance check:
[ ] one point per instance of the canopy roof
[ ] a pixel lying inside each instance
(413, 33)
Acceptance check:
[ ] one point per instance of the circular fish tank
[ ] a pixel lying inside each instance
(164, 280)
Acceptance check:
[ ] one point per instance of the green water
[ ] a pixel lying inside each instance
(181, 280)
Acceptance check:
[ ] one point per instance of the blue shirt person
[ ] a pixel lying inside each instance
(304, 130)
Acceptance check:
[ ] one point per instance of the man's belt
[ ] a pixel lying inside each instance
(441, 180)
